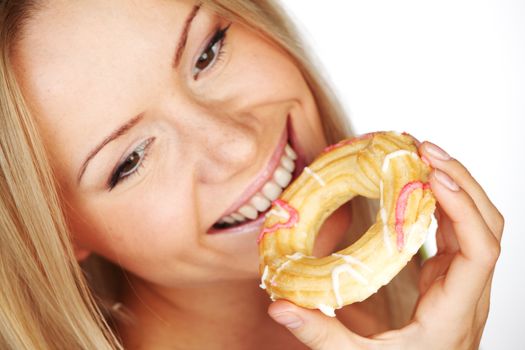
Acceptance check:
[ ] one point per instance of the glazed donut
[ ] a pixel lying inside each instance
(382, 165)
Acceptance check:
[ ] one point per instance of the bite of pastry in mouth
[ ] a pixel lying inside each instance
(249, 210)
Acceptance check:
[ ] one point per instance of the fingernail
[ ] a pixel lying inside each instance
(446, 180)
(436, 151)
(288, 320)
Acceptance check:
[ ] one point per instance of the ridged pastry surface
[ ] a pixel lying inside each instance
(382, 165)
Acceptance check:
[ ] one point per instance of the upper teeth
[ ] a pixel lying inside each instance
(270, 191)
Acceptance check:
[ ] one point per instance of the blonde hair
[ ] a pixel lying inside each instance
(46, 302)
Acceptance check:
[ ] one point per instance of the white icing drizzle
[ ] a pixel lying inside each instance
(295, 256)
(417, 231)
(335, 279)
(315, 176)
(326, 309)
(279, 212)
(279, 269)
(299, 255)
(386, 232)
(264, 276)
(401, 152)
(352, 260)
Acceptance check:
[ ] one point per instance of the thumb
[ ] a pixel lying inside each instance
(317, 331)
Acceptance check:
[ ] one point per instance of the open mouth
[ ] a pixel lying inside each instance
(284, 166)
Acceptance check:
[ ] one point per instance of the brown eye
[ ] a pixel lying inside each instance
(212, 52)
(130, 164)
(206, 58)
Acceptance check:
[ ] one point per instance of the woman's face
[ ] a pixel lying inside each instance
(161, 119)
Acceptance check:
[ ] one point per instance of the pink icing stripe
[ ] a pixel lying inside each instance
(348, 141)
(401, 206)
(293, 218)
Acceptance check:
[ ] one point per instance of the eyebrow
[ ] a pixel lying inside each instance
(184, 36)
(123, 129)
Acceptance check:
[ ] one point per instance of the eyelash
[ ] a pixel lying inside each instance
(116, 175)
(217, 38)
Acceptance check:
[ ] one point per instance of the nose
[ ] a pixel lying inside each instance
(226, 145)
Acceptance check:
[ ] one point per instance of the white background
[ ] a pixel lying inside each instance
(452, 72)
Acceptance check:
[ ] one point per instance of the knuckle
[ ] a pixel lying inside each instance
(500, 222)
(495, 251)
(491, 253)
(471, 205)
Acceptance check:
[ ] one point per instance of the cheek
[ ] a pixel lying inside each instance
(136, 233)
(269, 72)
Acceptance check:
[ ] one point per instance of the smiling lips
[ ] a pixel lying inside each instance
(266, 193)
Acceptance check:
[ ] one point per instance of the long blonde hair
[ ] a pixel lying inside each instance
(46, 302)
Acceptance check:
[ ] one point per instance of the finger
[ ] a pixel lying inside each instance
(439, 159)
(440, 241)
(315, 330)
(446, 240)
(489, 212)
(416, 141)
(479, 249)
(433, 268)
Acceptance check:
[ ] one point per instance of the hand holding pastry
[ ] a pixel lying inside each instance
(454, 285)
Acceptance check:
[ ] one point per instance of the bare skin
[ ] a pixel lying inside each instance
(88, 68)
(207, 130)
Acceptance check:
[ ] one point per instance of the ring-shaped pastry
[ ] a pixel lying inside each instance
(382, 165)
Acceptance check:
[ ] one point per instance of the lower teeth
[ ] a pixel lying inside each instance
(223, 225)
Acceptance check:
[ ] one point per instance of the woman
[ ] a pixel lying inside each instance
(153, 135)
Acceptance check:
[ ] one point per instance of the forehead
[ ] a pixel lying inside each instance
(85, 64)
(84, 47)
